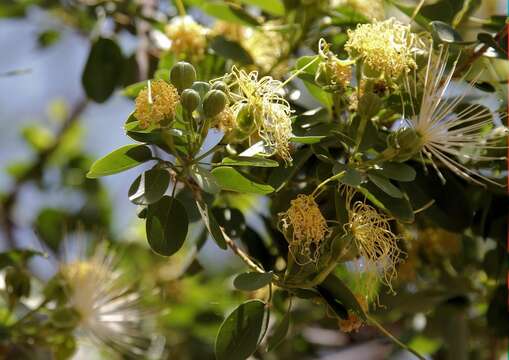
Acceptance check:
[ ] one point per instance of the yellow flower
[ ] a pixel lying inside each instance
(225, 120)
(231, 31)
(308, 227)
(270, 110)
(156, 103)
(187, 37)
(386, 48)
(375, 241)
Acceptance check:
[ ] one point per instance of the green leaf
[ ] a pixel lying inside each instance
(308, 77)
(384, 184)
(252, 281)
(249, 161)
(122, 159)
(409, 11)
(279, 335)
(399, 208)
(16, 257)
(342, 293)
(445, 33)
(166, 226)
(273, 7)
(214, 230)
(230, 179)
(51, 225)
(238, 336)
(149, 187)
(307, 139)
(131, 91)
(103, 70)
(230, 50)
(397, 171)
(204, 179)
(229, 12)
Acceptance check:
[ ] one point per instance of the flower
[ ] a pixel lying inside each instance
(386, 48)
(225, 120)
(187, 37)
(309, 228)
(371, 9)
(230, 31)
(373, 237)
(270, 110)
(109, 312)
(444, 132)
(156, 103)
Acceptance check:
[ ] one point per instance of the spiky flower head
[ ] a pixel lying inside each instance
(156, 103)
(386, 48)
(109, 312)
(375, 241)
(308, 228)
(188, 38)
(445, 133)
(271, 112)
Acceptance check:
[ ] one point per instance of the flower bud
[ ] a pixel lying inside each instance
(245, 119)
(190, 99)
(220, 85)
(405, 143)
(201, 87)
(182, 75)
(214, 102)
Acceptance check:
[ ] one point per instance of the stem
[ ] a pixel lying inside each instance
(247, 260)
(299, 71)
(326, 181)
(360, 132)
(392, 337)
(180, 7)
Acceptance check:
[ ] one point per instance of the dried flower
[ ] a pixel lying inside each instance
(156, 103)
(444, 133)
(187, 37)
(110, 313)
(270, 110)
(386, 48)
(308, 228)
(373, 237)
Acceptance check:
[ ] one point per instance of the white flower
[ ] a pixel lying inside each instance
(110, 312)
(446, 133)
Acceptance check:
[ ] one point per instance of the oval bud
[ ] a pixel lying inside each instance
(220, 85)
(406, 143)
(201, 87)
(190, 99)
(214, 102)
(182, 75)
(245, 119)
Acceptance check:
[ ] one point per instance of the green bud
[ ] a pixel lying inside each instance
(65, 317)
(214, 102)
(220, 85)
(182, 75)
(369, 105)
(190, 99)
(201, 87)
(245, 119)
(404, 143)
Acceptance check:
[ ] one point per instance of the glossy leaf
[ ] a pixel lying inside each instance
(149, 187)
(249, 161)
(385, 185)
(230, 50)
(230, 179)
(252, 281)
(239, 334)
(122, 159)
(166, 226)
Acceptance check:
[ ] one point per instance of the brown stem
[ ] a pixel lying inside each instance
(34, 172)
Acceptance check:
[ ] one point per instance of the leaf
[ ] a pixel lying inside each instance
(103, 70)
(17, 257)
(212, 226)
(238, 336)
(280, 176)
(249, 161)
(230, 179)
(397, 171)
(252, 281)
(308, 77)
(342, 293)
(229, 12)
(278, 336)
(230, 50)
(386, 186)
(307, 139)
(166, 226)
(399, 208)
(122, 159)
(445, 33)
(204, 179)
(149, 187)
(273, 7)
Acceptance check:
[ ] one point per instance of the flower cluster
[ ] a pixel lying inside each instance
(156, 103)
(187, 37)
(386, 48)
(308, 228)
